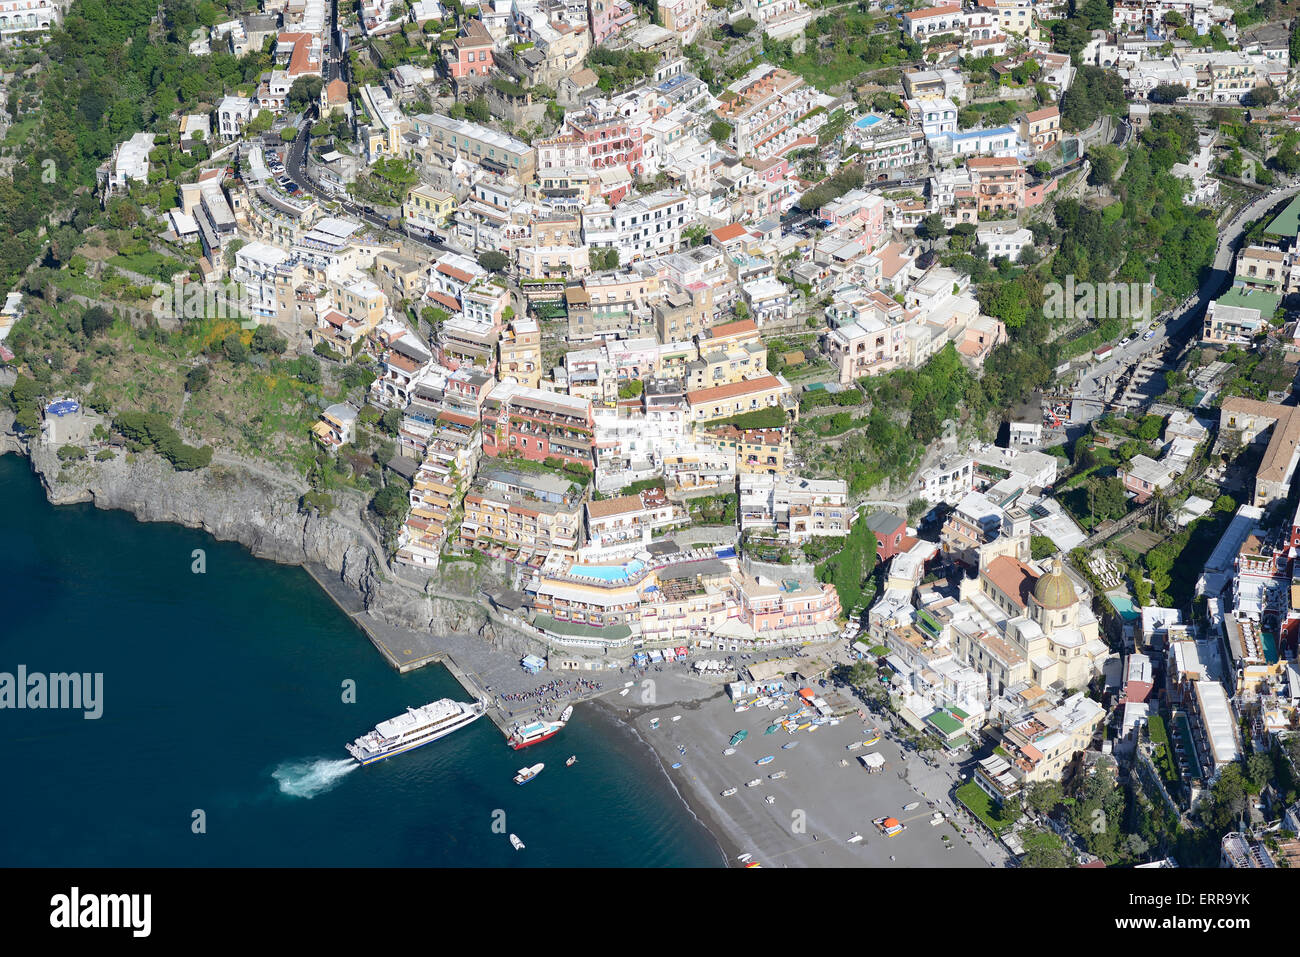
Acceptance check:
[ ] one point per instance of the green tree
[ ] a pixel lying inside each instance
(494, 261)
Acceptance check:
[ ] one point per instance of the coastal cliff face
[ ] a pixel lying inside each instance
(235, 503)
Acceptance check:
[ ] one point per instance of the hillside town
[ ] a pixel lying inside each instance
(956, 344)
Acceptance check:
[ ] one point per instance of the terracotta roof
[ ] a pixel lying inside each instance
(459, 275)
(731, 390)
(336, 91)
(1044, 114)
(933, 12)
(614, 506)
(725, 234)
(733, 328)
(1012, 577)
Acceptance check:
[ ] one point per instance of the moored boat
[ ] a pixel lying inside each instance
(573, 759)
(535, 732)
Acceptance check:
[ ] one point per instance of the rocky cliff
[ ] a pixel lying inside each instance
(259, 510)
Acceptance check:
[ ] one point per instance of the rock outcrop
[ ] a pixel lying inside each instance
(261, 512)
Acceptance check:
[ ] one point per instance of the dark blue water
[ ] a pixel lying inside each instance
(223, 692)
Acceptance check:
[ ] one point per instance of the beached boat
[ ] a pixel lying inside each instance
(729, 792)
(772, 729)
(768, 759)
(573, 759)
(516, 843)
(527, 774)
(677, 765)
(787, 747)
(769, 800)
(854, 746)
(677, 717)
(745, 858)
(753, 864)
(729, 752)
(623, 693)
(855, 838)
(754, 783)
(912, 807)
(628, 684)
(416, 728)
(741, 707)
(738, 737)
(873, 737)
(654, 724)
(776, 775)
(526, 735)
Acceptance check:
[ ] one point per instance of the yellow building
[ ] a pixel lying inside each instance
(428, 208)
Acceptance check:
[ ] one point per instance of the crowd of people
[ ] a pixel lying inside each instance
(552, 692)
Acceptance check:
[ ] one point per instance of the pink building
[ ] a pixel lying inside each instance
(769, 608)
(470, 54)
(599, 137)
(607, 18)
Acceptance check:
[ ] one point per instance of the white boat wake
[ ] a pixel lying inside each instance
(306, 779)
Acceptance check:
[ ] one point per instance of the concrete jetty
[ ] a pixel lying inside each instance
(485, 673)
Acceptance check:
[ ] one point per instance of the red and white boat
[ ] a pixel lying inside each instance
(526, 735)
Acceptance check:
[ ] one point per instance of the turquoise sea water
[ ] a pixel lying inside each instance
(223, 693)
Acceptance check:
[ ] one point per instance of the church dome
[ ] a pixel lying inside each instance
(1055, 590)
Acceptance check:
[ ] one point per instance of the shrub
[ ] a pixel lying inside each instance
(152, 430)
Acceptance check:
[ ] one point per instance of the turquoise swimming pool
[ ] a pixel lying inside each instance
(609, 573)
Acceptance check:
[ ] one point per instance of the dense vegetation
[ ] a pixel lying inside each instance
(108, 72)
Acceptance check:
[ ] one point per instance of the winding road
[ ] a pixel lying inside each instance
(1173, 327)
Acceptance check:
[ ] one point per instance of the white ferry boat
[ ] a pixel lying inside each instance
(527, 774)
(417, 727)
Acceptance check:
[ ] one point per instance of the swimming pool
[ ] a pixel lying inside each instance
(867, 121)
(609, 573)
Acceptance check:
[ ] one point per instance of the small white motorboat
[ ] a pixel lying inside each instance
(754, 783)
(573, 759)
(856, 838)
(623, 693)
(527, 774)
(729, 792)
(516, 843)
(729, 751)
(677, 717)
